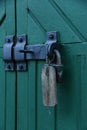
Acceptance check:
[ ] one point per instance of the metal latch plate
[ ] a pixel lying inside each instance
(16, 52)
(19, 58)
(8, 53)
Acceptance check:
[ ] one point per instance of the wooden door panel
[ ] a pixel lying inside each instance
(7, 79)
(2, 11)
(35, 18)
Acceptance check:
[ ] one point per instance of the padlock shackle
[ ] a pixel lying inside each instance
(58, 56)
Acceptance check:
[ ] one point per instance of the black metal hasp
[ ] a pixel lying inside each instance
(16, 52)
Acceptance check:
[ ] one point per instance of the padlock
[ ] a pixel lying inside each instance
(49, 87)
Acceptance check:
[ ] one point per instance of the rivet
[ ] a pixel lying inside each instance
(8, 40)
(51, 36)
(9, 67)
(21, 67)
(20, 39)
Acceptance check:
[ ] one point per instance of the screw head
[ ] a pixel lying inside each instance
(21, 67)
(20, 39)
(8, 40)
(9, 67)
(51, 36)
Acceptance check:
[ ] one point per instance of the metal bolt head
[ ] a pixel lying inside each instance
(9, 67)
(8, 40)
(51, 36)
(20, 39)
(21, 67)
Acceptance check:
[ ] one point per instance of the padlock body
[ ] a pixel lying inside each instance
(49, 90)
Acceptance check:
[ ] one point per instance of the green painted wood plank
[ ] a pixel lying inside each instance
(2, 21)
(32, 96)
(74, 87)
(2, 11)
(21, 7)
(2, 72)
(10, 100)
(2, 34)
(22, 77)
(83, 98)
(26, 103)
(74, 49)
(68, 109)
(34, 26)
(77, 89)
(22, 103)
(1, 52)
(10, 76)
(2, 96)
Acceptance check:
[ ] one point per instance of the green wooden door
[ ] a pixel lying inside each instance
(21, 104)
(7, 79)
(69, 18)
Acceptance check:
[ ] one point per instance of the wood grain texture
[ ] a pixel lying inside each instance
(2, 96)
(22, 77)
(2, 11)
(35, 18)
(10, 77)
